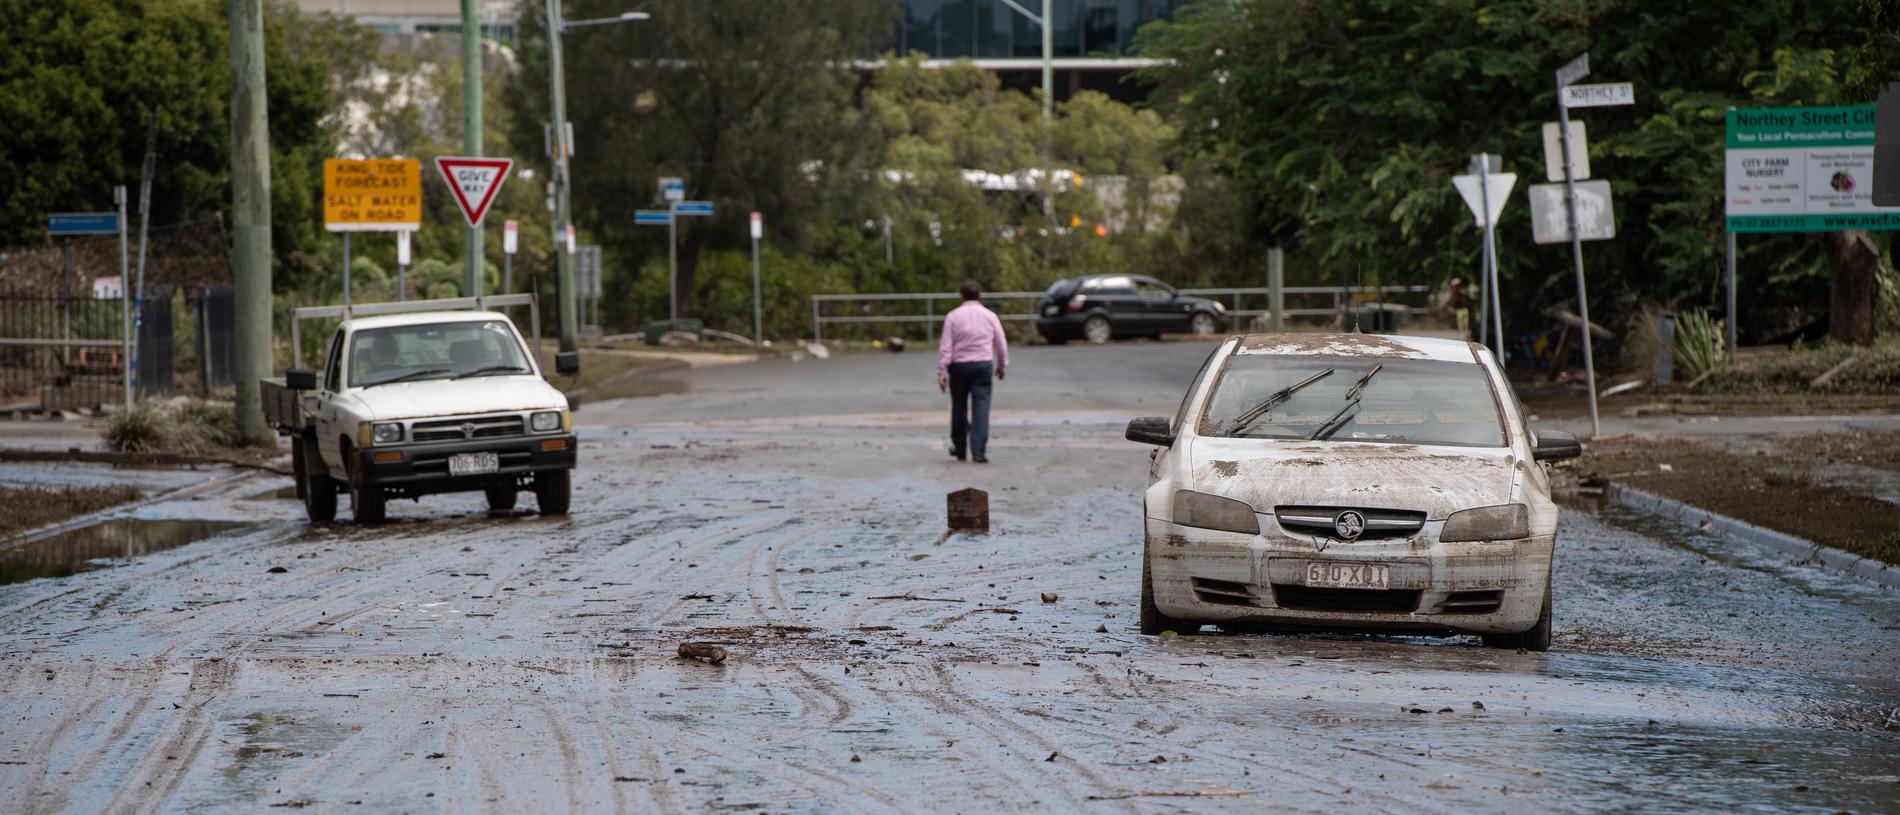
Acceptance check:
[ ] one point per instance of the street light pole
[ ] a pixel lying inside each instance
(560, 142)
(557, 102)
(471, 134)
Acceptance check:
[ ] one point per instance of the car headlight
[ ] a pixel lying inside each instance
(378, 433)
(548, 421)
(1499, 523)
(1198, 509)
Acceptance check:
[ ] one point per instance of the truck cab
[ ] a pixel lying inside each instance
(414, 404)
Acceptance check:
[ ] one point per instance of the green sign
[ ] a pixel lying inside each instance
(1802, 170)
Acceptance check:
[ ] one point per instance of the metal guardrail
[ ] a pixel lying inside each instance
(297, 316)
(1233, 297)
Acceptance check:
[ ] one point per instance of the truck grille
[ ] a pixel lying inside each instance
(485, 427)
(1381, 524)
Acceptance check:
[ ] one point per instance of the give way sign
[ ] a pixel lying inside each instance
(473, 182)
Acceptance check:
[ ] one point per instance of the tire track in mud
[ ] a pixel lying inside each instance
(152, 781)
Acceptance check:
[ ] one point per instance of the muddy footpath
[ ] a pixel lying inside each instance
(452, 661)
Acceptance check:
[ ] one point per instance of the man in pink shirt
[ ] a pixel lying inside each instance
(972, 347)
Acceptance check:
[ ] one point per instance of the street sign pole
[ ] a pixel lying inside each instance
(402, 266)
(1729, 260)
(1576, 240)
(1491, 258)
(346, 270)
(510, 240)
(758, 305)
(673, 269)
(125, 301)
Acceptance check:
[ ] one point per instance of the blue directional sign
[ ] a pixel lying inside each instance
(652, 217)
(692, 207)
(83, 223)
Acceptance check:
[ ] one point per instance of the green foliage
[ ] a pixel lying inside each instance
(1340, 123)
(1699, 348)
(1875, 370)
(190, 427)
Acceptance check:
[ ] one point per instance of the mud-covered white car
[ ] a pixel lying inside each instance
(1350, 482)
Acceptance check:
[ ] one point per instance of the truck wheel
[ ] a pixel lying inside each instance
(502, 496)
(553, 488)
(319, 489)
(368, 505)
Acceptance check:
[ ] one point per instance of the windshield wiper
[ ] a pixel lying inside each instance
(1353, 392)
(408, 376)
(491, 370)
(1254, 413)
(1341, 419)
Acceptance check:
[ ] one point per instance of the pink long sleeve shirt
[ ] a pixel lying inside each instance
(971, 333)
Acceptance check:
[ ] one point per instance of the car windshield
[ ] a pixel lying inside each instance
(1408, 401)
(412, 353)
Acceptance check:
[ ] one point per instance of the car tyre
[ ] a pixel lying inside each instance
(1097, 330)
(1535, 639)
(368, 505)
(1203, 324)
(553, 489)
(1152, 620)
(502, 497)
(319, 489)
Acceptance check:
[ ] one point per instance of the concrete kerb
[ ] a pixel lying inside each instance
(1802, 550)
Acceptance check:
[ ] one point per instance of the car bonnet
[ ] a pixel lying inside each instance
(1437, 479)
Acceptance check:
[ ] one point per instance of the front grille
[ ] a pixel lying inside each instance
(1308, 598)
(1381, 524)
(1223, 592)
(486, 427)
(1472, 602)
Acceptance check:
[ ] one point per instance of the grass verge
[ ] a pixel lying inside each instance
(189, 427)
(1770, 491)
(33, 507)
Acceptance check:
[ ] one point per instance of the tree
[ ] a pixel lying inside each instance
(1341, 123)
(748, 100)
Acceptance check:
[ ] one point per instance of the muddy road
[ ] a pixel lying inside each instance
(793, 512)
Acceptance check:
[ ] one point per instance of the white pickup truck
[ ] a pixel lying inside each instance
(420, 398)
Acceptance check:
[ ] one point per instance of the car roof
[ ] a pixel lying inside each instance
(422, 318)
(1364, 346)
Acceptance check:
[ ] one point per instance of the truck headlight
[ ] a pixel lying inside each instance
(386, 432)
(548, 421)
(1198, 509)
(1499, 523)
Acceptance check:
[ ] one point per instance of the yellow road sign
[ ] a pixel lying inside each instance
(372, 195)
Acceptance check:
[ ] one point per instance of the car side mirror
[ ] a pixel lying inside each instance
(1554, 445)
(567, 362)
(1151, 430)
(299, 379)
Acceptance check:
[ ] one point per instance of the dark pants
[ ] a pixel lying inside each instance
(970, 406)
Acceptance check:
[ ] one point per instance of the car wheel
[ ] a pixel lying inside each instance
(368, 505)
(319, 489)
(1152, 620)
(1203, 323)
(502, 496)
(1097, 330)
(1535, 639)
(553, 489)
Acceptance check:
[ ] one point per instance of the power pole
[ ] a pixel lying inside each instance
(472, 131)
(250, 218)
(563, 215)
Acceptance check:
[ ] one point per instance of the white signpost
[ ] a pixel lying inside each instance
(758, 305)
(672, 189)
(510, 241)
(1550, 212)
(1569, 95)
(402, 265)
(1485, 193)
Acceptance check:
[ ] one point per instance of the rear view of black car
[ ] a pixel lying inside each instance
(1099, 308)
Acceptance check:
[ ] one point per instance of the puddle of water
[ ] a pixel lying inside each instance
(100, 545)
(281, 493)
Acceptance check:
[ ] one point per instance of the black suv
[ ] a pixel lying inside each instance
(1099, 308)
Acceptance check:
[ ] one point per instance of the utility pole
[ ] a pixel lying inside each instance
(250, 218)
(471, 132)
(1048, 62)
(563, 213)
